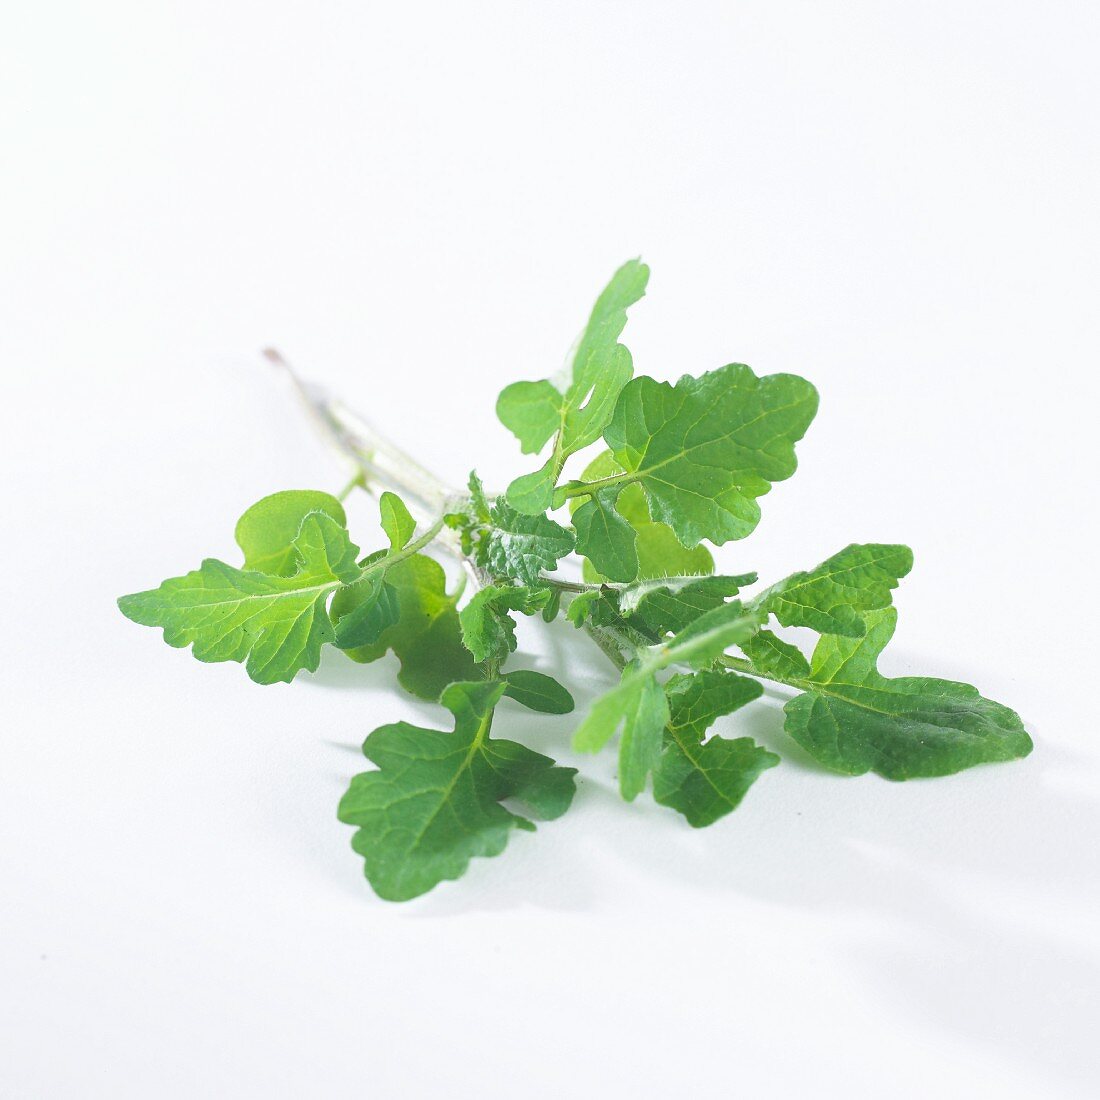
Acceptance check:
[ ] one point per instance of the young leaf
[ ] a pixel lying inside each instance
(520, 546)
(276, 625)
(537, 691)
(705, 449)
(396, 520)
(369, 608)
(706, 780)
(853, 719)
(536, 411)
(425, 637)
(434, 803)
(266, 532)
(831, 598)
(488, 631)
(605, 538)
(656, 546)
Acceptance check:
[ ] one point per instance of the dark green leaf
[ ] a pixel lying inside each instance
(605, 538)
(520, 546)
(854, 720)
(434, 803)
(706, 780)
(488, 630)
(537, 691)
(775, 658)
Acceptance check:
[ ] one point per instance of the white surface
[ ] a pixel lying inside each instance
(417, 203)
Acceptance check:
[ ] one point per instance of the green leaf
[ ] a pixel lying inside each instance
(520, 546)
(425, 637)
(670, 604)
(831, 598)
(705, 449)
(369, 607)
(853, 719)
(537, 691)
(536, 411)
(435, 802)
(276, 625)
(706, 780)
(266, 532)
(657, 548)
(638, 703)
(531, 411)
(488, 631)
(776, 658)
(396, 520)
(605, 538)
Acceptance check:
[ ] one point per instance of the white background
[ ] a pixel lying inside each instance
(417, 203)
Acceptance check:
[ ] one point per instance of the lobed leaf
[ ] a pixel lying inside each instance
(832, 598)
(705, 780)
(705, 449)
(488, 630)
(521, 546)
(435, 802)
(276, 625)
(535, 412)
(638, 703)
(853, 719)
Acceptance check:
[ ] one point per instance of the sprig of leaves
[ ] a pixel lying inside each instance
(678, 466)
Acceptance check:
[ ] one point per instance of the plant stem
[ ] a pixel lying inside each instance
(356, 482)
(381, 464)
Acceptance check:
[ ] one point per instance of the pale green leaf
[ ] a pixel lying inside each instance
(532, 411)
(638, 705)
(266, 532)
(396, 520)
(600, 368)
(275, 625)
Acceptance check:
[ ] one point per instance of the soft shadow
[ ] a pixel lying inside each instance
(964, 903)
